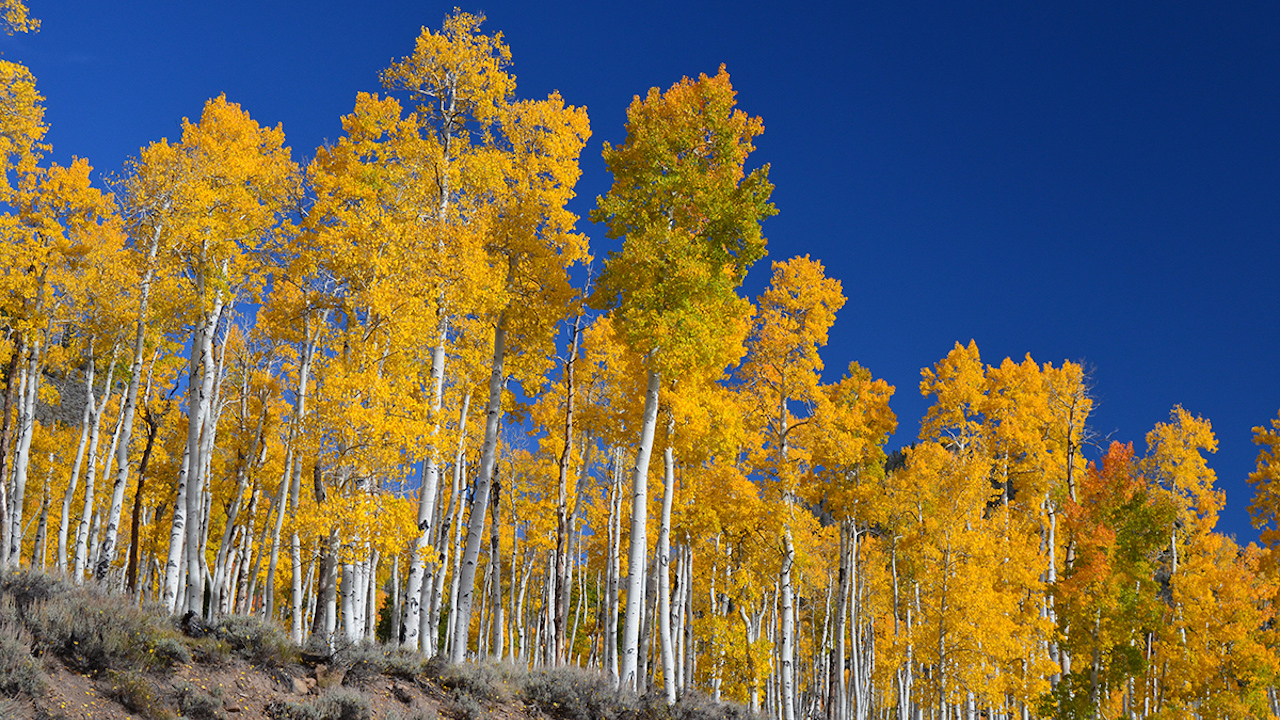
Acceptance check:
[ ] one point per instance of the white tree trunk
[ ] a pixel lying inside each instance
(91, 474)
(64, 523)
(107, 551)
(480, 505)
(787, 620)
(22, 459)
(409, 632)
(664, 570)
(639, 542)
(312, 329)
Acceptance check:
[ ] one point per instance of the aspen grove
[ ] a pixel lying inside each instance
(385, 395)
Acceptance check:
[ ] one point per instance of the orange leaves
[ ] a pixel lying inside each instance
(1265, 507)
(851, 424)
(214, 203)
(1175, 461)
(456, 74)
(22, 125)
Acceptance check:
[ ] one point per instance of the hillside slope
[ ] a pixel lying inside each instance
(82, 652)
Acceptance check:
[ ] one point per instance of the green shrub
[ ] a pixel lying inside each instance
(405, 664)
(361, 664)
(288, 710)
(259, 641)
(492, 682)
(345, 704)
(694, 705)
(20, 674)
(209, 650)
(28, 587)
(464, 706)
(335, 704)
(576, 694)
(93, 630)
(196, 704)
(135, 693)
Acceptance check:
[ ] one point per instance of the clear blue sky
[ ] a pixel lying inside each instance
(1095, 182)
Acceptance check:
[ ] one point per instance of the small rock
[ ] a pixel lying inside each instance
(310, 682)
(300, 687)
(231, 707)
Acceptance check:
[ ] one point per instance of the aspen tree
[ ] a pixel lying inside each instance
(62, 220)
(851, 421)
(1264, 509)
(457, 79)
(691, 222)
(783, 368)
(234, 181)
(1109, 597)
(532, 246)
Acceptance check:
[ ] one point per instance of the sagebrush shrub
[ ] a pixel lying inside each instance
(93, 630)
(576, 694)
(256, 640)
(196, 704)
(133, 691)
(20, 673)
(335, 704)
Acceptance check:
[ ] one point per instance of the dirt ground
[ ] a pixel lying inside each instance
(245, 692)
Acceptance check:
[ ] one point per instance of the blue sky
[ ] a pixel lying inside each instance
(1097, 182)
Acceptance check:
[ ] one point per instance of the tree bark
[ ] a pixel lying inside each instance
(409, 633)
(480, 505)
(639, 544)
(664, 570)
(107, 551)
(562, 503)
(135, 525)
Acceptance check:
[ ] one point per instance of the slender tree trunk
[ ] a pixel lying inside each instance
(199, 500)
(413, 614)
(108, 549)
(90, 405)
(186, 510)
(639, 544)
(480, 505)
(26, 429)
(313, 329)
(449, 550)
(244, 467)
(615, 568)
(38, 548)
(495, 565)
(135, 525)
(664, 571)
(562, 504)
(277, 505)
(82, 531)
(11, 383)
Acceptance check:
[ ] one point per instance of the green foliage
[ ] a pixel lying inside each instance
(464, 706)
(89, 628)
(491, 682)
(133, 690)
(691, 221)
(256, 640)
(335, 704)
(576, 694)
(196, 704)
(20, 674)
